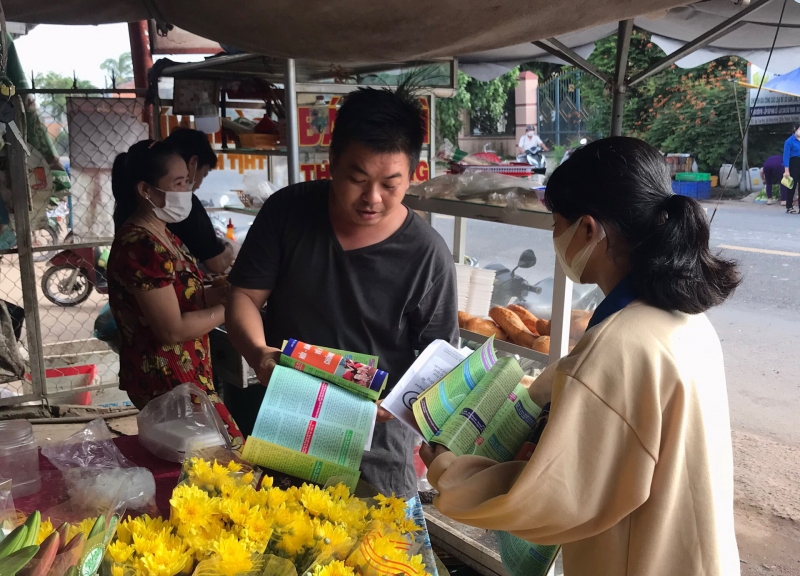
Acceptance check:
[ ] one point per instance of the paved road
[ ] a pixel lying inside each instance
(759, 327)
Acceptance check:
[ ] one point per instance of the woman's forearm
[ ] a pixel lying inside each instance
(194, 325)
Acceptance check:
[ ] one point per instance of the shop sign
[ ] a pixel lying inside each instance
(322, 171)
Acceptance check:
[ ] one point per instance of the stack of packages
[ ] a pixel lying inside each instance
(475, 287)
(318, 414)
(475, 403)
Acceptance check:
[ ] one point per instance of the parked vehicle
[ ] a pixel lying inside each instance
(534, 157)
(73, 274)
(509, 288)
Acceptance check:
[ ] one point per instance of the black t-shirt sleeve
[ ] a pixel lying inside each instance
(198, 233)
(258, 262)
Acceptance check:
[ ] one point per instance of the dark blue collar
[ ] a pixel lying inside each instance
(622, 295)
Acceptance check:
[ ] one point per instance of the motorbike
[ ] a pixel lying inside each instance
(569, 151)
(509, 288)
(534, 157)
(73, 274)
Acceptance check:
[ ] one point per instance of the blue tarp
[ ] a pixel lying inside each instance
(786, 82)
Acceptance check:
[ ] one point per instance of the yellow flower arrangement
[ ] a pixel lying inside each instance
(222, 524)
(45, 529)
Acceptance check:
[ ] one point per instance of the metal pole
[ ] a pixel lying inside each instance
(558, 110)
(27, 270)
(432, 136)
(459, 239)
(292, 130)
(619, 86)
(562, 313)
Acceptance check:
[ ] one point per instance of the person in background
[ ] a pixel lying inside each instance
(633, 473)
(529, 140)
(155, 289)
(771, 174)
(344, 264)
(196, 231)
(791, 165)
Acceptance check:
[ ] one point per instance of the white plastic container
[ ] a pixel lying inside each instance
(19, 457)
(756, 184)
(170, 440)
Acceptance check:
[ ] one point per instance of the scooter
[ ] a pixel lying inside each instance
(537, 298)
(534, 157)
(73, 274)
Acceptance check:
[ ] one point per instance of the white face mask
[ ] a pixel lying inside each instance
(177, 206)
(531, 134)
(561, 243)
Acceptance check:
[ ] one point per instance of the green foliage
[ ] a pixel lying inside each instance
(558, 153)
(485, 101)
(56, 104)
(678, 110)
(120, 68)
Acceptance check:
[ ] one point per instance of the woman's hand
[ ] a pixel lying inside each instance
(786, 171)
(216, 295)
(429, 453)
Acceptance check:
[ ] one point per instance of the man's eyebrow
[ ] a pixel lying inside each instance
(357, 168)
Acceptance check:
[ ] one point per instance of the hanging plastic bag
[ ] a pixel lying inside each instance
(182, 418)
(97, 474)
(8, 514)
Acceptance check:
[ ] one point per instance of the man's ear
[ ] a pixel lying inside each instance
(192, 166)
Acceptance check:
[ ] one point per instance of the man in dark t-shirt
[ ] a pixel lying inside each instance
(344, 264)
(197, 231)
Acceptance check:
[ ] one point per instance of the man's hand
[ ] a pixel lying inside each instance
(429, 453)
(383, 414)
(266, 365)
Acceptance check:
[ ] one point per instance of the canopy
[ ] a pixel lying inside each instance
(343, 31)
(751, 38)
(787, 83)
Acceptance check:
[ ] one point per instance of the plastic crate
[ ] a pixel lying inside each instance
(685, 188)
(693, 177)
(704, 190)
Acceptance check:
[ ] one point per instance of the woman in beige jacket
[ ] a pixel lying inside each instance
(633, 474)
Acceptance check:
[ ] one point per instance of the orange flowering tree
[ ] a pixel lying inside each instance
(678, 110)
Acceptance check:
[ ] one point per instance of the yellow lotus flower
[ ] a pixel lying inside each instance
(45, 529)
(335, 568)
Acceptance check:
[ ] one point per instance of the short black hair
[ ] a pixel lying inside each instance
(385, 122)
(190, 143)
(796, 126)
(624, 183)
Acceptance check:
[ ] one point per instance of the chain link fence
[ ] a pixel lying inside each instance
(55, 261)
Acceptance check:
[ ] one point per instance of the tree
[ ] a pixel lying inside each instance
(485, 101)
(56, 104)
(121, 68)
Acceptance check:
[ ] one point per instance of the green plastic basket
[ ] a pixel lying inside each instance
(693, 177)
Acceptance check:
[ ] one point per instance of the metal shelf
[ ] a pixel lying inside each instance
(235, 210)
(461, 209)
(507, 347)
(253, 151)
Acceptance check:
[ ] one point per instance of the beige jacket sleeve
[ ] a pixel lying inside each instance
(589, 471)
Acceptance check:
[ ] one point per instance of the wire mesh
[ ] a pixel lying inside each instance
(73, 138)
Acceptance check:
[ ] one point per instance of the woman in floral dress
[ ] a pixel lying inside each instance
(156, 292)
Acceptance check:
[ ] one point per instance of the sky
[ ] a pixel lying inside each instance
(82, 49)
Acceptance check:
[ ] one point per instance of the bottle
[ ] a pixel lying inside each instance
(694, 166)
(229, 234)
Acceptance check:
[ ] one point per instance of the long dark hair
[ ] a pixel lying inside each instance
(145, 161)
(624, 183)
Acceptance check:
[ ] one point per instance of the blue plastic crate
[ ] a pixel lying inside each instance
(703, 190)
(689, 189)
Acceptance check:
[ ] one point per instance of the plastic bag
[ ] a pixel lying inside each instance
(8, 514)
(96, 473)
(182, 418)
(258, 188)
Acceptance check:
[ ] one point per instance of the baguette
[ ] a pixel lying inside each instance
(463, 318)
(542, 345)
(543, 327)
(512, 325)
(485, 328)
(526, 316)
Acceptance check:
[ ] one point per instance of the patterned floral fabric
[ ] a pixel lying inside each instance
(140, 261)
